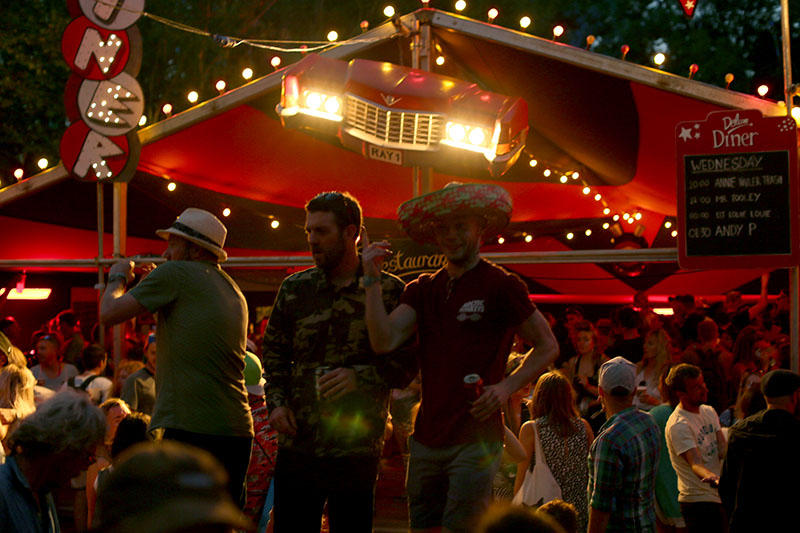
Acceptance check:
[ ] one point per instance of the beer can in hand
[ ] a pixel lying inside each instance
(473, 386)
(318, 373)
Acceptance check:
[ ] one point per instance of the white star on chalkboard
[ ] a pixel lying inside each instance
(686, 134)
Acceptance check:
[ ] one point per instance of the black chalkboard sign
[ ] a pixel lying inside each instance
(737, 191)
(737, 204)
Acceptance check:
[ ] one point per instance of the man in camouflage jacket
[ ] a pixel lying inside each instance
(328, 392)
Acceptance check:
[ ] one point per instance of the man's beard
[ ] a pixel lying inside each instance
(329, 259)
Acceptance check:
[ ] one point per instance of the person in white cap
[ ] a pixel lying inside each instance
(201, 335)
(466, 315)
(623, 458)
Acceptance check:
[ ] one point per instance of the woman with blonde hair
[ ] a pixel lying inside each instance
(657, 355)
(564, 438)
(16, 399)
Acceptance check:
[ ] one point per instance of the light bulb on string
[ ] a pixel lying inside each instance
(333, 35)
(589, 41)
(247, 73)
(192, 96)
(638, 216)
(615, 218)
(624, 49)
(142, 120)
(364, 25)
(558, 31)
(728, 80)
(659, 58)
(533, 162)
(667, 224)
(275, 62)
(570, 235)
(220, 86)
(388, 11)
(274, 224)
(524, 22)
(167, 109)
(440, 60)
(607, 211)
(563, 179)
(18, 173)
(546, 173)
(500, 240)
(575, 175)
(586, 190)
(528, 238)
(606, 225)
(42, 163)
(171, 186)
(492, 14)
(598, 197)
(674, 233)
(588, 233)
(693, 68)
(226, 212)
(461, 5)
(763, 90)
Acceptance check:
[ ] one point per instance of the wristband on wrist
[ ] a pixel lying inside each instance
(117, 275)
(367, 281)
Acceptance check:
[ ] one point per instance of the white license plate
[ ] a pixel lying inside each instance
(384, 154)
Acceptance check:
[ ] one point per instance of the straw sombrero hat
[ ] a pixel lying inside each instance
(200, 227)
(492, 202)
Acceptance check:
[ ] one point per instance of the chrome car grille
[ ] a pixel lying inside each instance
(387, 126)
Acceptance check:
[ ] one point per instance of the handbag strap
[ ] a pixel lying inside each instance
(537, 444)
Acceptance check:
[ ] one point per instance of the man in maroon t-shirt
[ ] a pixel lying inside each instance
(466, 315)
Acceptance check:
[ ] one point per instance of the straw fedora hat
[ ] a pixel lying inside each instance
(200, 227)
(492, 202)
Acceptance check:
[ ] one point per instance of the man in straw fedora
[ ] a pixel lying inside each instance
(466, 315)
(201, 335)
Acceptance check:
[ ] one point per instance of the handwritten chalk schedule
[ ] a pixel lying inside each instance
(737, 191)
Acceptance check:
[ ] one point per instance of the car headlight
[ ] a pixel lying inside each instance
(321, 105)
(467, 136)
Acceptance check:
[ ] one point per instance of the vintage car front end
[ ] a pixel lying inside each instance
(406, 116)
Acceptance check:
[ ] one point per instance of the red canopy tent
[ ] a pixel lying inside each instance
(610, 120)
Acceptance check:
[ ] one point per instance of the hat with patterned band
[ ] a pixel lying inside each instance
(200, 227)
(492, 202)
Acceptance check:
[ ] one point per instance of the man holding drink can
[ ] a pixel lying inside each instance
(328, 392)
(466, 315)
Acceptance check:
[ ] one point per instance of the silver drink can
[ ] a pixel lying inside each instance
(318, 373)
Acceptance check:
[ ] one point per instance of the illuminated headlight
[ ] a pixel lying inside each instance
(469, 137)
(321, 105)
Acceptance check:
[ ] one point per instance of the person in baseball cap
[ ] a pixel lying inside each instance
(618, 377)
(779, 383)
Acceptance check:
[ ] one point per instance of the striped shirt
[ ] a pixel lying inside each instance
(622, 468)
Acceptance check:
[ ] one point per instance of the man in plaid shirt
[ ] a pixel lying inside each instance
(623, 458)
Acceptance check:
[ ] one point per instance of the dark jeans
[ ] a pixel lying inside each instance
(232, 452)
(303, 483)
(705, 517)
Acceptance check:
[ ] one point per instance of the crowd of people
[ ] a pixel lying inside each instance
(508, 418)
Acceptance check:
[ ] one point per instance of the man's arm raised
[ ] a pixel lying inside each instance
(116, 306)
(386, 331)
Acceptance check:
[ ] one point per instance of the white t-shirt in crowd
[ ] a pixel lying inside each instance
(684, 431)
(99, 389)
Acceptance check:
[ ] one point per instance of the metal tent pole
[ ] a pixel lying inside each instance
(794, 272)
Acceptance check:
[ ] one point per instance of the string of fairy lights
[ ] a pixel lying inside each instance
(618, 218)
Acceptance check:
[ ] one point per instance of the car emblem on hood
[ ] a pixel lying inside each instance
(389, 99)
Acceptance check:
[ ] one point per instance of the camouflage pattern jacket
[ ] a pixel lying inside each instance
(314, 324)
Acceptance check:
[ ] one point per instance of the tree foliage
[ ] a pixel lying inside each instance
(741, 37)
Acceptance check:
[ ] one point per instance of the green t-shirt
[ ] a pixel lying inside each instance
(201, 335)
